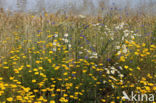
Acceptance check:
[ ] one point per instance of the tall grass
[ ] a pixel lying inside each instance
(65, 58)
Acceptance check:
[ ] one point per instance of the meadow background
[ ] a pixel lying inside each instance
(56, 52)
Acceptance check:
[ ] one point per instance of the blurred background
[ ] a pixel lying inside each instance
(76, 7)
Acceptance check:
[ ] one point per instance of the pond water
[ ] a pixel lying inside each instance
(78, 6)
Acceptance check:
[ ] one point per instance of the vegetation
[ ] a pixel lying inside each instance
(75, 59)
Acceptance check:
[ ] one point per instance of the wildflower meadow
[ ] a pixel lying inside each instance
(77, 59)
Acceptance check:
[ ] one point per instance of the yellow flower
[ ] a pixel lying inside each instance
(143, 44)
(58, 90)
(50, 52)
(142, 55)
(49, 60)
(126, 67)
(28, 66)
(65, 95)
(147, 88)
(44, 90)
(136, 53)
(53, 95)
(127, 42)
(18, 82)
(62, 99)
(40, 68)
(98, 83)
(6, 67)
(138, 88)
(153, 46)
(19, 97)
(1, 78)
(138, 68)
(37, 61)
(130, 69)
(65, 73)
(150, 84)
(56, 68)
(122, 58)
(84, 71)
(52, 86)
(1, 92)
(34, 81)
(11, 78)
(149, 75)
(154, 88)
(148, 53)
(41, 98)
(30, 71)
(35, 90)
(36, 73)
(132, 85)
(26, 89)
(10, 99)
(52, 101)
(71, 96)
